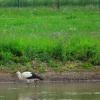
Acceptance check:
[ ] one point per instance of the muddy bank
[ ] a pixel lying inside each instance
(75, 76)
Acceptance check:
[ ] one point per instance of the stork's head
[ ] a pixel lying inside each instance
(18, 72)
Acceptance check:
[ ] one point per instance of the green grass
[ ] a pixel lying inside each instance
(45, 34)
(34, 3)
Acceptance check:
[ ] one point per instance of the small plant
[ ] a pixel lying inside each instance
(41, 69)
(52, 64)
(86, 65)
(95, 59)
(5, 56)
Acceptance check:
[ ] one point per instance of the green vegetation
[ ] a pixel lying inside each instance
(46, 34)
(34, 3)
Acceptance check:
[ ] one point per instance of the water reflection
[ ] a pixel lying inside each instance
(25, 98)
(51, 91)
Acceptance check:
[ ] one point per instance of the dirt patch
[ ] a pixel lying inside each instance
(52, 76)
(7, 77)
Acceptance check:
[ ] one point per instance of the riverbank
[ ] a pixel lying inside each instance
(60, 44)
(68, 76)
(58, 71)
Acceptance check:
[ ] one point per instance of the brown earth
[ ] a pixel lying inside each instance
(52, 76)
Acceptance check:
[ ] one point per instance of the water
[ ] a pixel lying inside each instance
(51, 91)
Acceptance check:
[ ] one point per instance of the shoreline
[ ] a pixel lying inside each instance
(55, 77)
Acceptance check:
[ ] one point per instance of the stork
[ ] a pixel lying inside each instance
(28, 76)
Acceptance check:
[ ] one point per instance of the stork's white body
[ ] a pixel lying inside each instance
(28, 76)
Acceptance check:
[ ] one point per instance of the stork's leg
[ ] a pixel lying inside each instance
(28, 82)
(36, 81)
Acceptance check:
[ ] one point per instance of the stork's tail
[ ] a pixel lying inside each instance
(39, 77)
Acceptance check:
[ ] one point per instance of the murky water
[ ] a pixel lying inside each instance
(51, 91)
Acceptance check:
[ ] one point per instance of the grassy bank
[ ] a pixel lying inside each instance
(47, 34)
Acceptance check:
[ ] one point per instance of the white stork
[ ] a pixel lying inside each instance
(28, 76)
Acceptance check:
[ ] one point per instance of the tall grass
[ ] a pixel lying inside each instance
(43, 34)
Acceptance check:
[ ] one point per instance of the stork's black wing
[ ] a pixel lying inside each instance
(35, 76)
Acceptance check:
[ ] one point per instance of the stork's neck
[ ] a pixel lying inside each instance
(19, 75)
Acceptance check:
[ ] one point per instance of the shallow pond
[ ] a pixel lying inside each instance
(51, 91)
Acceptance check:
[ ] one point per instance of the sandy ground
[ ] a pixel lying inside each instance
(50, 76)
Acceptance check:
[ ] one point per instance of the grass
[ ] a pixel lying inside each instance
(34, 3)
(46, 34)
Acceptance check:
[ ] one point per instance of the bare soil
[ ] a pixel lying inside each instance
(52, 76)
